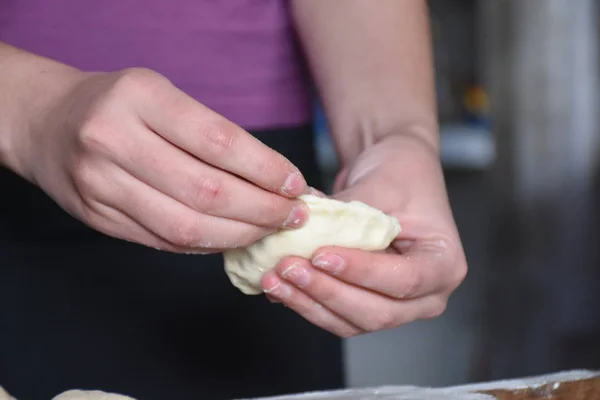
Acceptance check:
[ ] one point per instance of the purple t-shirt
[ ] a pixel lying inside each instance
(238, 57)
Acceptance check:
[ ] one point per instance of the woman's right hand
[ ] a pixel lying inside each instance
(136, 158)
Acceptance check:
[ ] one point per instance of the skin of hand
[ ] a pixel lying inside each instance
(350, 292)
(134, 157)
(373, 66)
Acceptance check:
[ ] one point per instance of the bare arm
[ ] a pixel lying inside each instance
(113, 148)
(372, 63)
(28, 85)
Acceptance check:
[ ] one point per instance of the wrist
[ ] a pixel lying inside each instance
(406, 148)
(415, 134)
(30, 88)
(358, 134)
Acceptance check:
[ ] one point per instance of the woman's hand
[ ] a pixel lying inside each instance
(134, 157)
(350, 292)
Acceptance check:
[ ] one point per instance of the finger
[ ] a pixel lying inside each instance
(117, 224)
(182, 226)
(365, 309)
(417, 273)
(202, 187)
(167, 218)
(314, 192)
(208, 136)
(341, 179)
(312, 311)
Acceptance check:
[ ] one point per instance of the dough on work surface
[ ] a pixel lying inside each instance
(330, 223)
(90, 395)
(4, 395)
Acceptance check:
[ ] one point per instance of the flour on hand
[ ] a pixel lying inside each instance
(330, 223)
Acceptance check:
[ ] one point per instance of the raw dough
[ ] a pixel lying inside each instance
(90, 395)
(4, 395)
(331, 223)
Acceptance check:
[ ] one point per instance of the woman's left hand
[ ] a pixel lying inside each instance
(349, 292)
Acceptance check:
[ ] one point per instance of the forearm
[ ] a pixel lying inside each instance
(29, 85)
(372, 63)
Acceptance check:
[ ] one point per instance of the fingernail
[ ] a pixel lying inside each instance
(280, 290)
(297, 275)
(297, 217)
(294, 184)
(315, 192)
(404, 245)
(329, 262)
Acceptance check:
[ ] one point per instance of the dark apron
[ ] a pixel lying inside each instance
(81, 310)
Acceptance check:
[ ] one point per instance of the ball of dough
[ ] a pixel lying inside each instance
(4, 395)
(90, 395)
(330, 223)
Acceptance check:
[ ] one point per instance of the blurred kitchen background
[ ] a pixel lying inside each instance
(518, 92)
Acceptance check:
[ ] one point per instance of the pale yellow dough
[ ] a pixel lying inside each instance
(4, 395)
(76, 395)
(90, 395)
(331, 223)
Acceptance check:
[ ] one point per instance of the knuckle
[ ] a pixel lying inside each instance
(348, 333)
(326, 293)
(380, 321)
(88, 214)
(135, 79)
(218, 138)
(185, 235)
(95, 136)
(437, 309)
(411, 283)
(460, 274)
(85, 178)
(454, 262)
(206, 194)
(275, 210)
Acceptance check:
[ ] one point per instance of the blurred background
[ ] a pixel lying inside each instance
(518, 92)
(519, 99)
